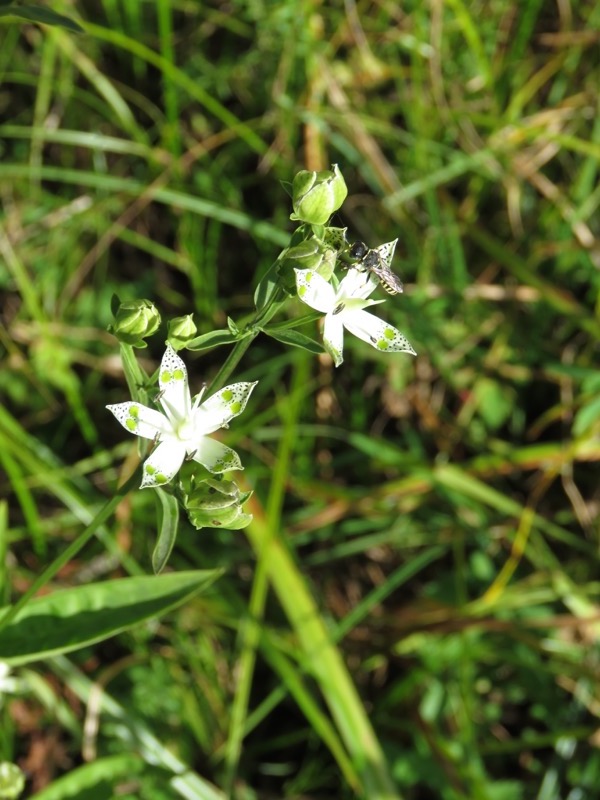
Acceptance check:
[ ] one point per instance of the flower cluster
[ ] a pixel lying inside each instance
(181, 427)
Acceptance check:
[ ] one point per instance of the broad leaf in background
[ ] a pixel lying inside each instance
(39, 14)
(73, 618)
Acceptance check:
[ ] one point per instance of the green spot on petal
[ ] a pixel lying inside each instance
(227, 395)
(165, 376)
(235, 407)
(389, 333)
(134, 411)
(301, 291)
(382, 344)
(161, 478)
(131, 425)
(149, 469)
(178, 375)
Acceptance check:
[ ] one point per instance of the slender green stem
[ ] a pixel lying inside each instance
(72, 549)
(134, 375)
(231, 362)
(251, 630)
(236, 355)
(276, 297)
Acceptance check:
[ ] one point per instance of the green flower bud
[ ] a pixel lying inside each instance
(135, 320)
(233, 518)
(12, 781)
(181, 331)
(215, 503)
(307, 255)
(317, 195)
(311, 254)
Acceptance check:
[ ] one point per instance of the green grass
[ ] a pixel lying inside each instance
(413, 612)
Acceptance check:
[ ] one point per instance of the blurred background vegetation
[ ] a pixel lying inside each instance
(442, 511)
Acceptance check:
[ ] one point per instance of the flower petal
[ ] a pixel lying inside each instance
(173, 386)
(140, 420)
(163, 463)
(333, 337)
(222, 407)
(357, 283)
(386, 252)
(376, 332)
(314, 290)
(216, 457)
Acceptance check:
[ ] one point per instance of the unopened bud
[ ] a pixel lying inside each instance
(317, 195)
(215, 503)
(135, 320)
(181, 331)
(12, 781)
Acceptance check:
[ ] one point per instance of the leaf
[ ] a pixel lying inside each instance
(212, 339)
(297, 322)
(587, 416)
(167, 509)
(72, 618)
(296, 339)
(40, 14)
(267, 286)
(98, 779)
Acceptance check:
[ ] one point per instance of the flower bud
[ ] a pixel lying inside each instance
(306, 255)
(233, 518)
(310, 254)
(215, 503)
(317, 195)
(135, 320)
(12, 781)
(181, 331)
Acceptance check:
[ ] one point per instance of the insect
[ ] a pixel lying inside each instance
(378, 261)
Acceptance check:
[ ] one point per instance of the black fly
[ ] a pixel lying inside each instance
(378, 261)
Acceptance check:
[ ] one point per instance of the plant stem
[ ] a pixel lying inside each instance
(231, 362)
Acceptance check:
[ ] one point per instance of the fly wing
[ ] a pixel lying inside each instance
(390, 282)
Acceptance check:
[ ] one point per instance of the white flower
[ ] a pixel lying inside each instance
(343, 308)
(181, 431)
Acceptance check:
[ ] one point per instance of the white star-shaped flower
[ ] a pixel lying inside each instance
(182, 430)
(343, 308)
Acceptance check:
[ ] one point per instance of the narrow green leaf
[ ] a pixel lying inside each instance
(73, 618)
(43, 15)
(296, 322)
(212, 339)
(296, 339)
(167, 509)
(98, 779)
(267, 287)
(152, 749)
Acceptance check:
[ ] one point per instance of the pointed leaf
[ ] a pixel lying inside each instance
(296, 339)
(39, 14)
(212, 339)
(167, 509)
(99, 779)
(72, 618)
